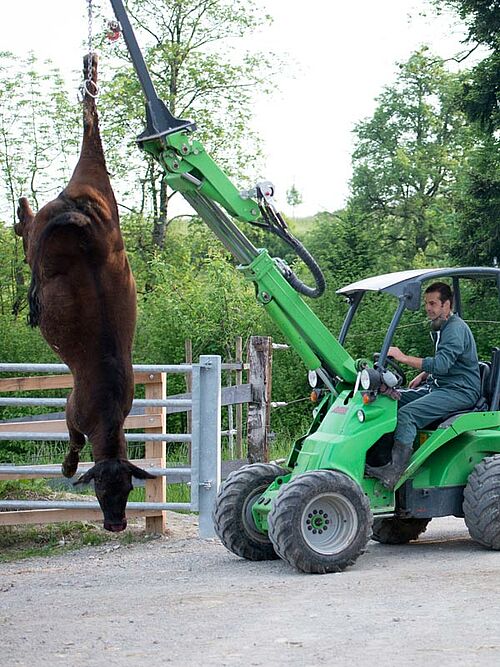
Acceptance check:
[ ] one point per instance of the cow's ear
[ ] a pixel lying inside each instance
(25, 216)
(139, 473)
(86, 478)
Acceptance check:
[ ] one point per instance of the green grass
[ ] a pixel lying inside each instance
(24, 489)
(176, 493)
(21, 542)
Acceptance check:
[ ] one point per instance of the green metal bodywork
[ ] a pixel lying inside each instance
(337, 438)
(340, 442)
(180, 154)
(305, 332)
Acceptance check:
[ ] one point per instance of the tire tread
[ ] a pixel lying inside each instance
(284, 537)
(226, 516)
(482, 503)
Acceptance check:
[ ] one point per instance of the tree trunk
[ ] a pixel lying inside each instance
(160, 222)
(18, 288)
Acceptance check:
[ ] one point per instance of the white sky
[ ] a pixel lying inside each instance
(343, 53)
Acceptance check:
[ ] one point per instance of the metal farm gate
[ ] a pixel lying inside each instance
(203, 475)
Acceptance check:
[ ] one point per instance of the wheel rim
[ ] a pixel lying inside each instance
(329, 523)
(247, 516)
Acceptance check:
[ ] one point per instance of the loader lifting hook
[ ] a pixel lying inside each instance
(114, 31)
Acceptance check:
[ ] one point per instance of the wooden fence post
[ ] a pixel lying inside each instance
(188, 349)
(260, 360)
(239, 406)
(156, 489)
(230, 418)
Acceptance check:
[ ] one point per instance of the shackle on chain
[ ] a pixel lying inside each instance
(88, 86)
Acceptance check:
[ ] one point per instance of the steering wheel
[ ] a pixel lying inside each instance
(398, 371)
(393, 364)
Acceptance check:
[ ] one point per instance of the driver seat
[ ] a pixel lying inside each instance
(490, 389)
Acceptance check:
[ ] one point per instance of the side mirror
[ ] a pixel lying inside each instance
(412, 296)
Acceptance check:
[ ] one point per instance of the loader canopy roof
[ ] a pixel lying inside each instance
(407, 287)
(405, 282)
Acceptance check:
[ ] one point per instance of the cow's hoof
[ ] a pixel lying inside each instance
(70, 465)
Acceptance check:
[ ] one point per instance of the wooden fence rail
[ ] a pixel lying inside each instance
(153, 421)
(256, 393)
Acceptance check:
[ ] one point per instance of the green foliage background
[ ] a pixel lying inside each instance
(425, 191)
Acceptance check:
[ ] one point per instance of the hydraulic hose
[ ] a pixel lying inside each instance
(274, 222)
(312, 265)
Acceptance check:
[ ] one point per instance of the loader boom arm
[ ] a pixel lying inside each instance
(192, 172)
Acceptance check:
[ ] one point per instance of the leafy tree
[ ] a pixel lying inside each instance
(478, 208)
(342, 247)
(38, 132)
(189, 50)
(481, 94)
(293, 198)
(197, 294)
(478, 190)
(481, 91)
(38, 143)
(406, 158)
(482, 18)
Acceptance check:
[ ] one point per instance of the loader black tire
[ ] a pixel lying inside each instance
(232, 515)
(320, 522)
(396, 530)
(482, 503)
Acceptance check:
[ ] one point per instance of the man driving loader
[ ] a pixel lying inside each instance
(449, 381)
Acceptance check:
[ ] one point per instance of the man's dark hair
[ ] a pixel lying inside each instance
(445, 292)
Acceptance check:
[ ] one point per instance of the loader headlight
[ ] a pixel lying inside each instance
(370, 379)
(361, 415)
(312, 378)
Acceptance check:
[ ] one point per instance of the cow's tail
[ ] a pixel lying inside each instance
(63, 220)
(35, 306)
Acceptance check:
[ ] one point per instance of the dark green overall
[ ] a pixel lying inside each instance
(453, 383)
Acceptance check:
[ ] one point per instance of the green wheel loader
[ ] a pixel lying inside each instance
(318, 510)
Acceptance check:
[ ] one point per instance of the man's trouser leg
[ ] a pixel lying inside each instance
(417, 411)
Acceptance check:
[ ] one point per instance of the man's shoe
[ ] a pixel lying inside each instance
(391, 472)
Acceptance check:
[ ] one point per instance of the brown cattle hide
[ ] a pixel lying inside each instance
(83, 298)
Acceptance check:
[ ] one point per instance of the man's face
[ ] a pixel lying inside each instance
(435, 308)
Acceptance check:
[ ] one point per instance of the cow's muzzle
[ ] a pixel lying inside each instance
(115, 527)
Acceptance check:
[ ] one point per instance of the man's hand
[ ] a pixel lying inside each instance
(401, 357)
(396, 354)
(417, 381)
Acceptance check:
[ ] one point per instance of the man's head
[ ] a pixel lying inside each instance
(438, 302)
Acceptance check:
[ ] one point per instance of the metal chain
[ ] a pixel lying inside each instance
(89, 35)
(88, 86)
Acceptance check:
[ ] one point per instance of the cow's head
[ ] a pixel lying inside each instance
(113, 483)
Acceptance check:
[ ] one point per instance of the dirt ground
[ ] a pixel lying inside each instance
(184, 601)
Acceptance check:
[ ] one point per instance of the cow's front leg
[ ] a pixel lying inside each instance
(76, 443)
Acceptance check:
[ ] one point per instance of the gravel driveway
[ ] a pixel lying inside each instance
(184, 601)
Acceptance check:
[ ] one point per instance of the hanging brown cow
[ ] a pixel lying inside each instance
(83, 297)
